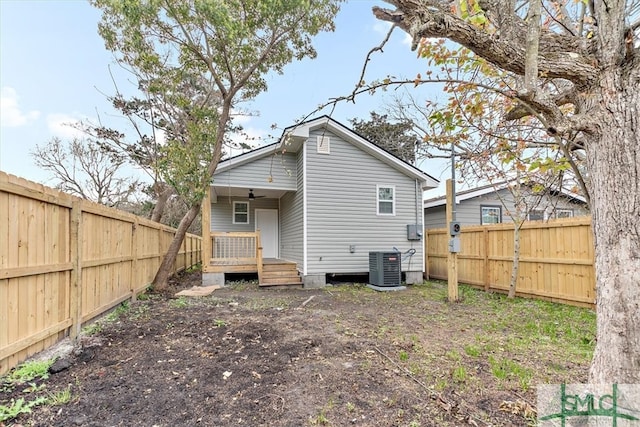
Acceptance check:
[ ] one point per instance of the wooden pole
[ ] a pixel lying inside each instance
(452, 259)
(259, 256)
(75, 293)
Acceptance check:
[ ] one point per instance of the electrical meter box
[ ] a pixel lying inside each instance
(414, 232)
(454, 228)
(454, 245)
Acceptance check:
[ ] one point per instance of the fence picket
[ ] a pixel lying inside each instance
(556, 259)
(67, 260)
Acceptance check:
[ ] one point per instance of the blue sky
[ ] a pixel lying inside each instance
(54, 69)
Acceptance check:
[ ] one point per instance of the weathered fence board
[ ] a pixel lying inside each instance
(556, 259)
(64, 261)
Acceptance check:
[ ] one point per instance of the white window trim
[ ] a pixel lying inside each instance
(490, 207)
(393, 201)
(564, 210)
(544, 215)
(233, 214)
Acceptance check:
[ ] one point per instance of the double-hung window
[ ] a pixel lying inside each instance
(386, 201)
(241, 212)
(491, 214)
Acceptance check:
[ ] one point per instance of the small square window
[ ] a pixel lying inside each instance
(386, 200)
(241, 212)
(491, 215)
(564, 213)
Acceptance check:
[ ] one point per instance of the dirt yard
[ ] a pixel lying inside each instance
(341, 356)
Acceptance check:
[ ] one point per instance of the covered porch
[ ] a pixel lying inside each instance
(242, 252)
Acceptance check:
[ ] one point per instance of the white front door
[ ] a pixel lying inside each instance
(267, 223)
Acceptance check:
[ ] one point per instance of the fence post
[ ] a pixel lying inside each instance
(485, 233)
(426, 254)
(75, 292)
(135, 254)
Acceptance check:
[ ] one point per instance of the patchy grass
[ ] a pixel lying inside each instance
(357, 356)
(180, 302)
(486, 337)
(35, 370)
(24, 388)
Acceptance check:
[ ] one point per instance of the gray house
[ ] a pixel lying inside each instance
(492, 204)
(313, 204)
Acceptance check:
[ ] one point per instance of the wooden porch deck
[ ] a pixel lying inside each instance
(275, 272)
(241, 252)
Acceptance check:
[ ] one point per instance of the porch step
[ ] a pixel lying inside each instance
(280, 274)
(281, 280)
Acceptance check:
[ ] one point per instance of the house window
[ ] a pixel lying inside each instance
(241, 212)
(491, 214)
(323, 144)
(564, 213)
(386, 200)
(536, 215)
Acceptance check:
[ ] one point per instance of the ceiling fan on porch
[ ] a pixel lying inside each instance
(253, 196)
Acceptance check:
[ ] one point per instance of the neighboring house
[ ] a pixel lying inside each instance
(492, 204)
(322, 198)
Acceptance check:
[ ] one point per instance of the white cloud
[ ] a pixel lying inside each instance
(241, 117)
(250, 136)
(383, 27)
(10, 113)
(407, 39)
(161, 136)
(61, 125)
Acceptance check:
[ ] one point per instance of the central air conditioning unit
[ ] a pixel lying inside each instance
(385, 268)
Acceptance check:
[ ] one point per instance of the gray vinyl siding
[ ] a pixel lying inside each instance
(468, 211)
(435, 217)
(281, 169)
(222, 213)
(291, 221)
(342, 209)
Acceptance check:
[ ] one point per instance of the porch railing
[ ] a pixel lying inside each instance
(237, 248)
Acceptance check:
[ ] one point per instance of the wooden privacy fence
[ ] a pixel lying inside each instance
(64, 261)
(556, 259)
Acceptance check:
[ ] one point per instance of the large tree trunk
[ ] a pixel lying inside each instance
(614, 177)
(163, 192)
(166, 267)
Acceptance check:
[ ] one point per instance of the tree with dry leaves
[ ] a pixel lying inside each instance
(82, 168)
(577, 71)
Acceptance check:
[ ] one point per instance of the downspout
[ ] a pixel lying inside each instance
(304, 209)
(419, 220)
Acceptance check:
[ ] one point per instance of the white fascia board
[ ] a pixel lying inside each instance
(572, 195)
(468, 194)
(481, 191)
(440, 201)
